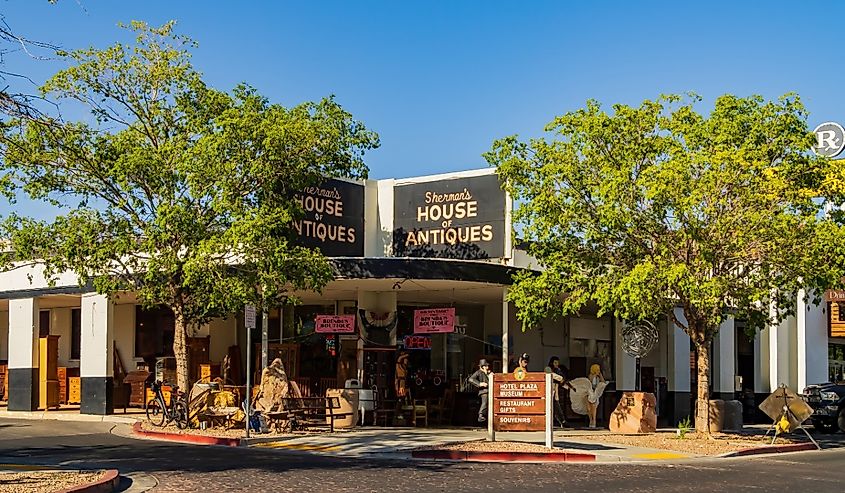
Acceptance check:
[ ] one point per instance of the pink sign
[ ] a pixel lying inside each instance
(434, 321)
(335, 324)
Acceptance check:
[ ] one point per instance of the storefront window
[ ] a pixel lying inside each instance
(836, 362)
(154, 332)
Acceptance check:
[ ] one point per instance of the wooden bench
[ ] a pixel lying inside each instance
(306, 412)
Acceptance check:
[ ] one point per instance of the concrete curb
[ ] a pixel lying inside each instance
(106, 484)
(777, 449)
(184, 438)
(85, 418)
(474, 456)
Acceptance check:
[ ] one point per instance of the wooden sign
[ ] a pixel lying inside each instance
(519, 390)
(519, 402)
(519, 406)
(834, 295)
(529, 422)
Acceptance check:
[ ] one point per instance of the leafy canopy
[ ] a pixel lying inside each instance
(650, 207)
(174, 190)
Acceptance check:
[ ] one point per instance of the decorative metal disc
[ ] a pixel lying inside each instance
(639, 337)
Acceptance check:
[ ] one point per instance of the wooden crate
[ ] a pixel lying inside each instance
(74, 390)
(209, 371)
(4, 381)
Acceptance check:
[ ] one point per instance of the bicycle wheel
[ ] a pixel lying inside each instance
(155, 414)
(180, 415)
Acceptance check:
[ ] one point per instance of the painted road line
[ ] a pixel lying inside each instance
(661, 456)
(298, 446)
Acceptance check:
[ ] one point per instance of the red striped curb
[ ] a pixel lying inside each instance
(474, 456)
(777, 449)
(105, 484)
(185, 438)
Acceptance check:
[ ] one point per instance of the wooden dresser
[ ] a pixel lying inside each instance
(74, 390)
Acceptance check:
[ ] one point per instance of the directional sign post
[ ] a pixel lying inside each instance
(249, 323)
(520, 402)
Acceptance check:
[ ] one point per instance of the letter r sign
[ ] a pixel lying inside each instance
(830, 139)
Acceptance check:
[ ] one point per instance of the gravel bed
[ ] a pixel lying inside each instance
(692, 443)
(44, 481)
(485, 446)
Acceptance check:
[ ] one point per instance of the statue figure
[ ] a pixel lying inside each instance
(588, 391)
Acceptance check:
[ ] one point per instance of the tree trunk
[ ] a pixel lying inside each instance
(180, 350)
(702, 402)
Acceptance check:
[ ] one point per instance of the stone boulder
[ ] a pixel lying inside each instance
(635, 413)
(273, 388)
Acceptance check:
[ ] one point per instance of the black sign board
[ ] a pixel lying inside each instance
(460, 218)
(334, 218)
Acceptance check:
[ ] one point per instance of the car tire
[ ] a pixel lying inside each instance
(824, 426)
(840, 420)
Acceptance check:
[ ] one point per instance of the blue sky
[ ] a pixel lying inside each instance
(439, 81)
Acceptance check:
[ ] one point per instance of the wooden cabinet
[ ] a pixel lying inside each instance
(138, 381)
(48, 371)
(62, 373)
(74, 390)
(4, 381)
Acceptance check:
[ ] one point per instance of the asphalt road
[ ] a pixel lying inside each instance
(169, 467)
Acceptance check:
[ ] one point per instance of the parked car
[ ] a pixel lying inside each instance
(828, 403)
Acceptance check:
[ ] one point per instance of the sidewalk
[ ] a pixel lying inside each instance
(393, 443)
(72, 415)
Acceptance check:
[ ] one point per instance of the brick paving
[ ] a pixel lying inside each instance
(183, 468)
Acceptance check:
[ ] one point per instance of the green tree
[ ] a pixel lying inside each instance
(654, 207)
(175, 191)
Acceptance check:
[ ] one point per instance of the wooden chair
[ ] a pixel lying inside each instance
(441, 410)
(385, 409)
(420, 412)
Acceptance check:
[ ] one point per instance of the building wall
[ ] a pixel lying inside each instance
(124, 335)
(4, 335)
(60, 326)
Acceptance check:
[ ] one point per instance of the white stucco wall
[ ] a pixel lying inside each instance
(811, 343)
(124, 335)
(224, 333)
(60, 326)
(724, 357)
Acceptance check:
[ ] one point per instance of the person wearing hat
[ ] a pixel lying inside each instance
(479, 379)
(524, 358)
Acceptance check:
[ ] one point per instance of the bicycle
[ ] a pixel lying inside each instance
(159, 413)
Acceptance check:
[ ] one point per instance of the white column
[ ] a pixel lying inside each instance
(626, 365)
(23, 354)
(811, 342)
(774, 353)
(725, 358)
(505, 329)
(97, 354)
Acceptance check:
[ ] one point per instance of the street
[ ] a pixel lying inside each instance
(173, 467)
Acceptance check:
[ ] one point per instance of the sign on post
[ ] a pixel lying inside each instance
(520, 402)
(249, 317)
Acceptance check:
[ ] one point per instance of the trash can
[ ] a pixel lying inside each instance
(348, 399)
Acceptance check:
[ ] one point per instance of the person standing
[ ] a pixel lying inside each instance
(560, 379)
(597, 384)
(480, 379)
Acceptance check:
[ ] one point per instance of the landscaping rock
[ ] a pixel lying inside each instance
(635, 413)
